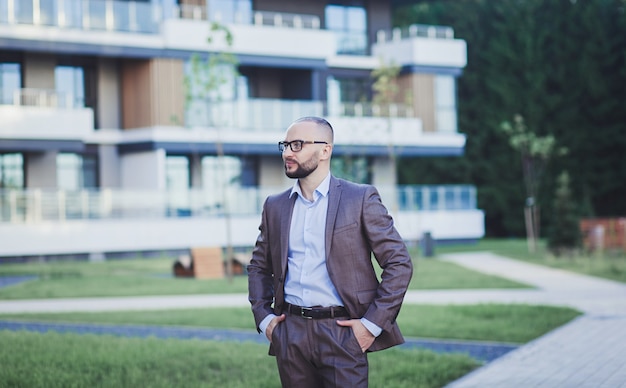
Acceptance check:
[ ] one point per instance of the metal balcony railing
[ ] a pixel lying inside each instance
(40, 205)
(415, 31)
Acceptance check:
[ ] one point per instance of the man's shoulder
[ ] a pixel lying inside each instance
(351, 186)
(278, 197)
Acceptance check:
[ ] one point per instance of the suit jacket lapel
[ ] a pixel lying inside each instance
(334, 197)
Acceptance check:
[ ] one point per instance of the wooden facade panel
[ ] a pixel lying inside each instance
(423, 97)
(152, 93)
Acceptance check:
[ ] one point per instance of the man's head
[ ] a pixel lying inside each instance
(307, 147)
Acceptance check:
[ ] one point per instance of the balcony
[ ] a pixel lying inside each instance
(107, 15)
(356, 124)
(421, 45)
(43, 114)
(41, 205)
(48, 222)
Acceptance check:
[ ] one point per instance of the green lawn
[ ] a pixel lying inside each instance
(71, 360)
(59, 360)
(609, 266)
(133, 277)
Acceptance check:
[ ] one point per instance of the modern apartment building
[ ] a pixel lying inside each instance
(111, 141)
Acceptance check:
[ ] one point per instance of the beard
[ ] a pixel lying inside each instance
(304, 169)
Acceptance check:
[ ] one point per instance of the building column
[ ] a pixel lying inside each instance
(41, 169)
(143, 170)
(109, 166)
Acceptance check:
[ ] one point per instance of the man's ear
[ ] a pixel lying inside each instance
(327, 151)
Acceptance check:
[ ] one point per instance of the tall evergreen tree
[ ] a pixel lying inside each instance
(560, 64)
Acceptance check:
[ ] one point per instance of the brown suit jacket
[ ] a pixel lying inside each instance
(357, 225)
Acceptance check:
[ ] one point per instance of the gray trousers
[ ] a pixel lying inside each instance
(318, 353)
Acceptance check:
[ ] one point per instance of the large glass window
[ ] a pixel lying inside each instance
(350, 26)
(11, 171)
(445, 103)
(10, 81)
(70, 84)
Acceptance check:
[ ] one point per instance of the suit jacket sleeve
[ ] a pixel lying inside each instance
(393, 257)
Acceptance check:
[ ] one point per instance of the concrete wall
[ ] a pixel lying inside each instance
(109, 94)
(143, 170)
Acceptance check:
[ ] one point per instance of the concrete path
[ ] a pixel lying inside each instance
(587, 352)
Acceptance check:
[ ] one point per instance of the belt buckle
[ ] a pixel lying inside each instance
(303, 309)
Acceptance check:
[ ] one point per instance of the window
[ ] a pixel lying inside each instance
(70, 84)
(350, 26)
(76, 172)
(445, 103)
(11, 171)
(219, 176)
(177, 173)
(10, 81)
(353, 89)
(354, 168)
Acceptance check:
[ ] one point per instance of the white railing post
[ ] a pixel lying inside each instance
(11, 11)
(85, 6)
(109, 17)
(36, 13)
(61, 205)
(13, 206)
(84, 204)
(37, 211)
(61, 13)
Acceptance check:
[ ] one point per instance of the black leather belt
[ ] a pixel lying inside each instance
(316, 312)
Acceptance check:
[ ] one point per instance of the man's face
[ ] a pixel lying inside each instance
(302, 163)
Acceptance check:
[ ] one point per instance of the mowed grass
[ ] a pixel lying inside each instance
(609, 265)
(72, 360)
(137, 277)
(486, 322)
(64, 360)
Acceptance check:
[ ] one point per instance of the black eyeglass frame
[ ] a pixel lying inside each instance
(282, 145)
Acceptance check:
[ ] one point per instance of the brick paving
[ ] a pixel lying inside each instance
(589, 352)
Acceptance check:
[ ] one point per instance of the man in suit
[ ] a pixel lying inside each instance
(312, 284)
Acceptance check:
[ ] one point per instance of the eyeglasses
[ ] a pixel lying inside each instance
(296, 145)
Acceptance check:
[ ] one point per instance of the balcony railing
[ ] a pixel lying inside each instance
(415, 31)
(262, 114)
(38, 205)
(258, 18)
(42, 98)
(108, 15)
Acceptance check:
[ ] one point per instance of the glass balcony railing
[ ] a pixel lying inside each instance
(262, 114)
(42, 98)
(39, 205)
(108, 15)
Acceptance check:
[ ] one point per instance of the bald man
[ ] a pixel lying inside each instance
(312, 283)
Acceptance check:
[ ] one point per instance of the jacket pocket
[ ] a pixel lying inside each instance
(344, 228)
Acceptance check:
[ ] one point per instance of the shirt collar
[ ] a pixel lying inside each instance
(322, 189)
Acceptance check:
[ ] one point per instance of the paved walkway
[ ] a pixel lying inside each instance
(587, 352)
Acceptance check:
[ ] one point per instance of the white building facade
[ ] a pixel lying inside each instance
(109, 145)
